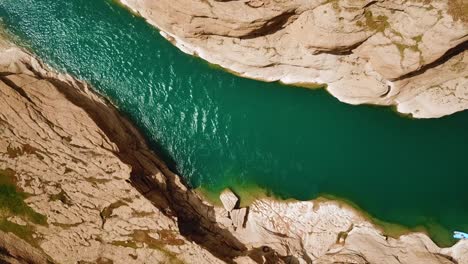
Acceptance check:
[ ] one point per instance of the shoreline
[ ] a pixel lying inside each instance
(149, 189)
(393, 98)
(251, 194)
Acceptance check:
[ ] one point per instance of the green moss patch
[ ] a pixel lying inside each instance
(379, 23)
(12, 200)
(167, 237)
(12, 204)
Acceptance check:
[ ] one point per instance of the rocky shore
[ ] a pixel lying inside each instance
(87, 170)
(411, 54)
(98, 194)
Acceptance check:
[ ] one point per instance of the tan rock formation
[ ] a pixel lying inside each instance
(408, 53)
(109, 199)
(326, 232)
(238, 217)
(16, 251)
(229, 200)
(76, 174)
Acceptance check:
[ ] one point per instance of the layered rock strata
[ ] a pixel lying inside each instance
(407, 53)
(107, 198)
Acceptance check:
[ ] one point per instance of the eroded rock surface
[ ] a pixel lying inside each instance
(109, 199)
(229, 200)
(408, 53)
(325, 232)
(78, 176)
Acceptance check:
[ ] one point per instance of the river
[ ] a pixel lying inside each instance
(218, 130)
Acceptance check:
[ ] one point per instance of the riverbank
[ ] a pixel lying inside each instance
(367, 56)
(291, 220)
(248, 195)
(81, 165)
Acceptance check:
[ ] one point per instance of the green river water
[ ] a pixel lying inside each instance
(218, 130)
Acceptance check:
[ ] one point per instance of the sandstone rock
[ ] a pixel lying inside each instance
(372, 52)
(229, 200)
(238, 217)
(15, 250)
(222, 217)
(244, 260)
(54, 135)
(17, 220)
(326, 232)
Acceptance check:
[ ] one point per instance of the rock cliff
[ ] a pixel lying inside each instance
(97, 194)
(79, 163)
(407, 53)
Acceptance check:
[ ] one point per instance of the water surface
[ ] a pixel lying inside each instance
(221, 130)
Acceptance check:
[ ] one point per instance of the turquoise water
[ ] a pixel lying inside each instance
(220, 130)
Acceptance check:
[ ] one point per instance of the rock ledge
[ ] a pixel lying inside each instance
(407, 53)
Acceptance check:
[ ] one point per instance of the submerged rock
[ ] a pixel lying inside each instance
(411, 54)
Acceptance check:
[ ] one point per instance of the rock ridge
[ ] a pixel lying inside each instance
(411, 54)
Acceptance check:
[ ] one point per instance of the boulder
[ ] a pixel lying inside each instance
(229, 200)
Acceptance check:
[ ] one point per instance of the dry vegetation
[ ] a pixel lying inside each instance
(458, 9)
